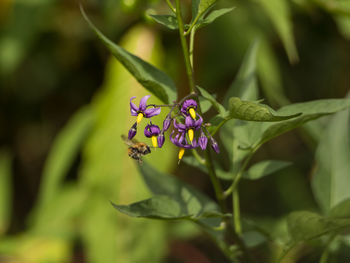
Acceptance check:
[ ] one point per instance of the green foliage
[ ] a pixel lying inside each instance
(199, 7)
(264, 168)
(331, 181)
(212, 16)
(212, 100)
(5, 190)
(252, 111)
(147, 75)
(279, 13)
(63, 153)
(166, 20)
(310, 111)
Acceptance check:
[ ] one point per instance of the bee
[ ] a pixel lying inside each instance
(136, 149)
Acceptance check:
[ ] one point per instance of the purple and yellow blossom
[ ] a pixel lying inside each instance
(189, 108)
(142, 110)
(180, 141)
(152, 131)
(190, 126)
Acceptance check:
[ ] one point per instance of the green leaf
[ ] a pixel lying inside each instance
(245, 83)
(279, 13)
(252, 111)
(212, 16)
(63, 153)
(169, 21)
(151, 78)
(200, 7)
(209, 97)
(5, 190)
(331, 180)
(305, 225)
(173, 199)
(310, 111)
(341, 210)
(264, 168)
(158, 207)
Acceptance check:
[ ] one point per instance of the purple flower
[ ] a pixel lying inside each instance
(161, 140)
(152, 131)
(132, 131)
(189, 108)
(190, 126)
(214, 145)
(180, 141)
(142, 110)
(203, 141)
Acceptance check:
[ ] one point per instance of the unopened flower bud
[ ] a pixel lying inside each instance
(203, 141)
(214, 145)
(161, 140)
(166, 123)
(132, 131)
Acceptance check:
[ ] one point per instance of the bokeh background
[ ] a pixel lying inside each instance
(64, 104)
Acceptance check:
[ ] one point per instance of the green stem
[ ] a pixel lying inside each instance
(325, 254)
(198, 157)
(236, 212)
(184, 47)
(240, 173)
(193, 32)
(192, 25)
(171, 6)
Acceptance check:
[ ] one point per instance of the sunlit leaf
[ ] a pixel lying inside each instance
(213, 101)
(166, 20)
(147, 75)
(279, 13)
(341, 210)
(252, 111)
(331, 179)
(5, 190)
(63, 153)
(264, 168)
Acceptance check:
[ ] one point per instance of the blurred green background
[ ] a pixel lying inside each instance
(64, 103)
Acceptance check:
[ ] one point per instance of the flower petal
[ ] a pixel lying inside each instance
(189, 122)
(179, 126)
(143, 103)
(151, 112)
(133, 108)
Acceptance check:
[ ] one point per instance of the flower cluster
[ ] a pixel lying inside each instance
(186, 123)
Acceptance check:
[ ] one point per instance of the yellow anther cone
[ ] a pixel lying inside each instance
(181, 154)
(190, 134)
(192, 113)
(154, 141)
(139, 118)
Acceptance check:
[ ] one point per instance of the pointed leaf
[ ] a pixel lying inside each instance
(311, 110)
(245, 83)
(189, 198)
(200, 7)
(147, 75)
(212, 16)
(169, 21)
(341, 210)
(213, 101)
(280, 15)
(264, 168)
(252, 111)
(158, 207)
(331, 180)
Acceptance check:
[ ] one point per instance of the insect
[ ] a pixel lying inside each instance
(136, 149)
